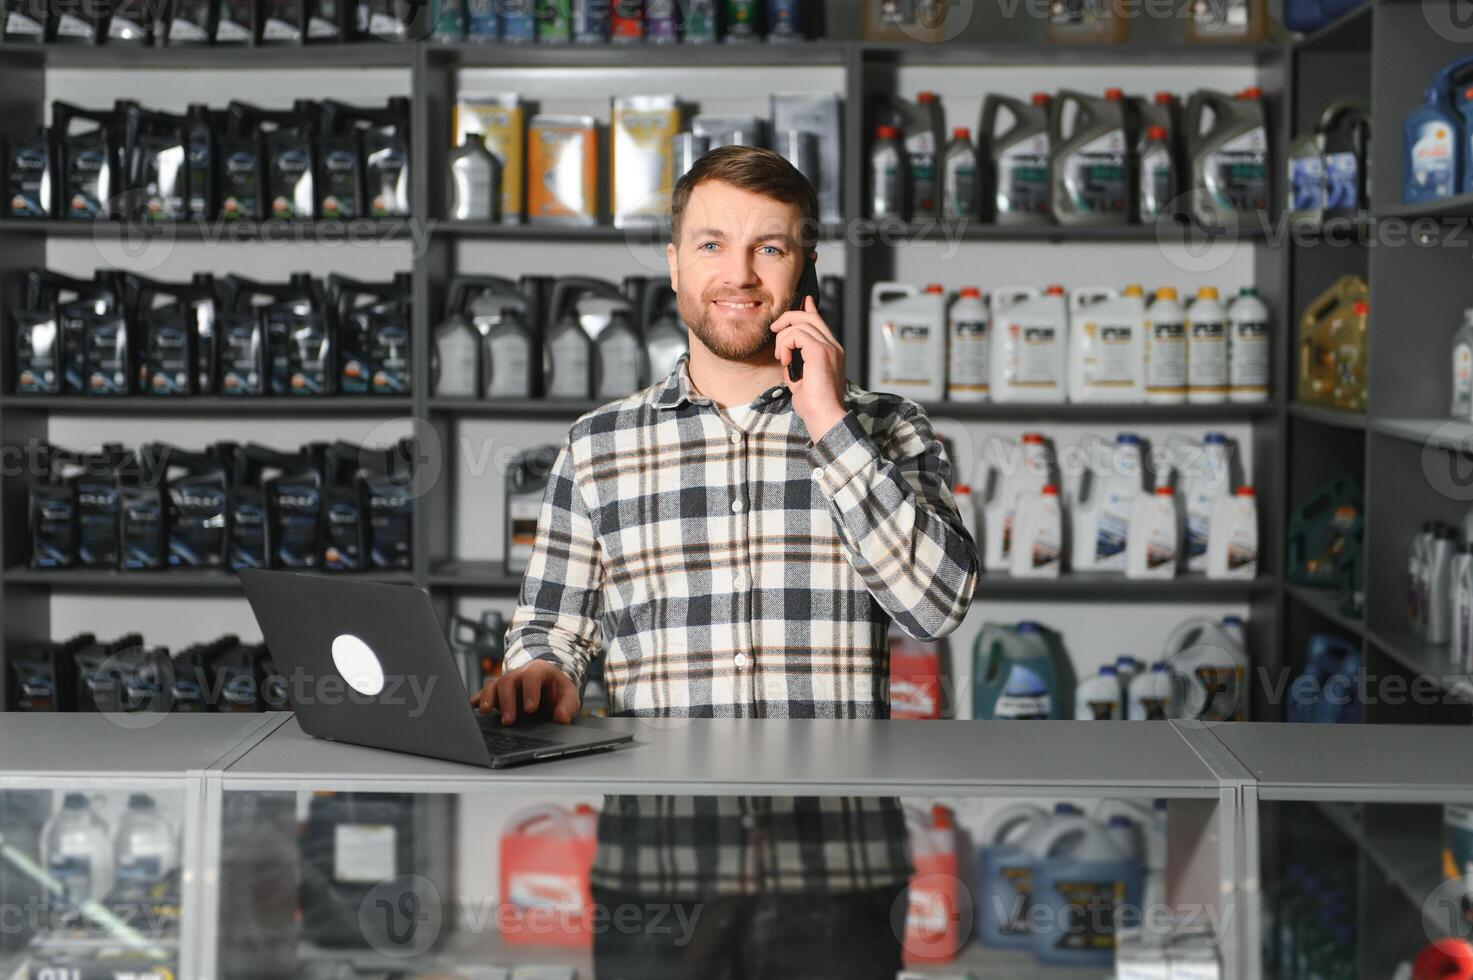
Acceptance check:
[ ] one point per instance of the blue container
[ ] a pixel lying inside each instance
(1430, 150)
(1085, 889)
(1005, 868)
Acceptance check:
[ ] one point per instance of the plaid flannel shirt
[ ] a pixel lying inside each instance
(744, 572)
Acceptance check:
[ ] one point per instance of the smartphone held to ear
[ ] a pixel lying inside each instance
(807, 286)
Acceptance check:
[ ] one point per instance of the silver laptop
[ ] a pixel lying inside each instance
(368, 663)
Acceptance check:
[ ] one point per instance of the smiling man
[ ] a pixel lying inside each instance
(742, 542)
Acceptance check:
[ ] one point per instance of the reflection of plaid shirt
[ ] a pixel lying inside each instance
(749, 573)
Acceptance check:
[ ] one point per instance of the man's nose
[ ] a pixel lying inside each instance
(738, 268)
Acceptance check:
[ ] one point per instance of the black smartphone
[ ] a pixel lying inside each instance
(807, 286)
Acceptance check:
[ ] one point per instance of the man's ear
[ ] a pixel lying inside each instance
(674, 266)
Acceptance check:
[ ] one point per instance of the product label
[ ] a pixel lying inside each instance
(1094, 175)
(363, 853)
(1248, 356)
(909, 352)
(27, 182)
(961, 190)
(1307, 183)
(1022, 177)
(456, 348)
(522, 512)
(619, 357)
(1462, 381)
(1031, 356)
(1088, 915)
(1111, 355)
(1207, 357)
(886, 199)
(922, 151)
(970, 357)
(1236, 174)
(1433, 153)
(570, 366)
(1155, 187)
(1103, 710)
(1342, 181)
(1166, 357)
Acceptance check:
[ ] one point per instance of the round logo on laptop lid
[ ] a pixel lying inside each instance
(358, 664)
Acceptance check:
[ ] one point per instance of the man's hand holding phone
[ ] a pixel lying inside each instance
(818, 396)
(537, 690)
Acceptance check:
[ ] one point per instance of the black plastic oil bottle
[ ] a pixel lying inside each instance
(143, 514)
(78, 303)
(99, 675)
(387, 487)
(90, 174)
(294, 513)
(29, 189)
(155, 155)
(109, 361)
(344, 510)
(243, 362)
(1345, 141)
(241, 181)
(44, 675)
(97, 505)
(371, 324)
(377, 140)
(1090, 158)
(201, 155)
(196, 486)
(252, 470)
(168, 341)
(52, 505)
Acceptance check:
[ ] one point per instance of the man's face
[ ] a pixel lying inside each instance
(735, 268)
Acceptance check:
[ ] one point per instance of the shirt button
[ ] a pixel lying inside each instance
(749, 822)
(739, 580)
(736, 506)
(817, 473)
(741, 661)
(736, 438)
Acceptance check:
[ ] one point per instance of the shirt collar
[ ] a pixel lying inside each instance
(677, 389)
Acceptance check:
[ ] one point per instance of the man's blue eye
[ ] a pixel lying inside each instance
(771, 249)
(704, 244)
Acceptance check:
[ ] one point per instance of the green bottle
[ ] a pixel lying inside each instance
(742, 19)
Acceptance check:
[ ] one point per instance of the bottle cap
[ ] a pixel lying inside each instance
(1207, 292)
(941, 817)
(1362, 308)
(1049, 490)
(1156, 133)
(1033, 438)
(971, 292)
(1245, 492)
(925, 97)
(961, 133)
(935, 287)
(1114, 94)
(886, 132)
(1041, 98)
(1109, 671)
(1134, 289)
(1055, 290)
(1164, 98)
(1165, 491)
(962, 488)
(1251, 92)
(1166, 292)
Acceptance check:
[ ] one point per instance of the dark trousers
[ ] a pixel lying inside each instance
(759, 937)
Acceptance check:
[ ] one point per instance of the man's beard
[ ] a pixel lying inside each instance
(754, 344)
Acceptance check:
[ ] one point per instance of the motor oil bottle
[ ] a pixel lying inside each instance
(177, 329)
(666, 339)
(382, 137)
(1154, 549)
(1166, 350)
(1107, 356)
(1020, 471)
(1016, 184)
(142, 518)
(887, 174)
(294, 515)
(1205, 475)
(1087, 21)
(298, 345)
(1104, 502)
(1020, 673)
(371, 324)
(1210, 665)
(455, 368)
(1080, 867)
(1090, 161)
(1038, 550)
(243, 358)
(923, 127)
(30, 191)
(344, 510)
(571, 356)
(1207, 349)
(1348, 338)
(1005, 874)
(908, 340)
(1098, 698)
(1462, 387)
(96, 489)
(1431, 150)
(1344, 138)
(388, 488)
(289, 147)
(1439, 587)
(91, 171)
(52, 504)
(1156, 183)
(526, 483)
(1232, 544)
(619, 362)
(475, 181)
(1230, 21)
(1030, 345)
(108, 359)
(960, 179)
(969, 348)
(198, 510)
(1317, 375)
(1462, 628)
(1151, 695)
(1248, 347)
(1227, 146)
(38, 353)
(250, 467)
(1305, 167)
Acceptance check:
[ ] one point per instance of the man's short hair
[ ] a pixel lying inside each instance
(753, 169)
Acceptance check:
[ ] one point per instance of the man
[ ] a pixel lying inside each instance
(742, 541)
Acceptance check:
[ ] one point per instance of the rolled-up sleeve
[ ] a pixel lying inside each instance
(891, 495)
(557, 619)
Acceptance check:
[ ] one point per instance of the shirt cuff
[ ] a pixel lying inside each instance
(842, 453)
(521, 658)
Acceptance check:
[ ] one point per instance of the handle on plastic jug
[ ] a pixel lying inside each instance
(1012, 295)
(1450, 74)
(462, 286)
(653, 304)
(1203, 99)
(1090, 295)
(553, 814)
(1013, 823)
(986, 126)
(570, 289)
(1076, 832)
(882, 292)
(1082, 119)
(1340, 108)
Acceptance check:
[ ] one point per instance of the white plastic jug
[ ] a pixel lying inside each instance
(969, 348)
(908, 340)
(1232, 543)
(1209, 666)
(1018, 469)
(1039, 549)
(1107, 345)
(1030, 345)
(1207, 349)
(1151, 695)
(1097, 698)
(1205, 470)
(1104, 497)
(1155, 536)
(1166, 350)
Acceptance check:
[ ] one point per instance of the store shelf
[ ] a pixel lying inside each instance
(475, 576)
(1454, 435)
(1408, 850)
(357, 232)
(1457, 206)
(638, 234)
(893, 230)
(1321, 415)
(192, 582)
(209, 405)
(515, 408)
(758, 54)
(1350, 32)
(1326, 603)
(236, 57)
(1424, 660)
(1022, 54)
(1098, 412)
(1085, 587)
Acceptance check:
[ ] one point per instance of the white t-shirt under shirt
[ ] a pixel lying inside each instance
(738, 415)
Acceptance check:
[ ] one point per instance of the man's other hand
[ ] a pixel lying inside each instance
(538, 687)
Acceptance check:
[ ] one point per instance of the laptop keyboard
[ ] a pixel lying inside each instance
(501, 743)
